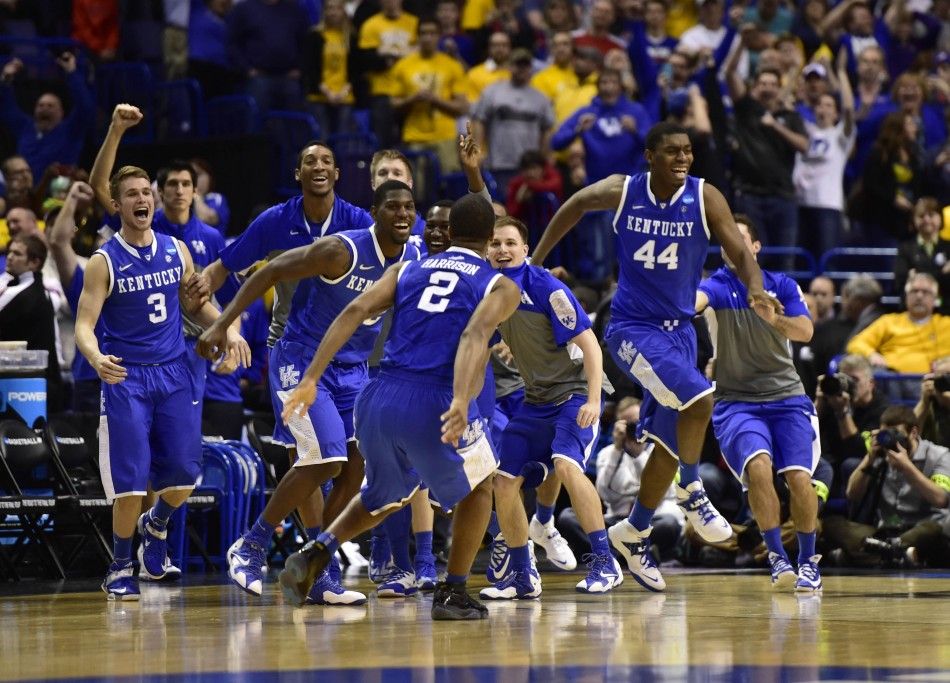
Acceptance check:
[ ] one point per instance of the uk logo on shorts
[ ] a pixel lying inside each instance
(473, 432)
(627, 351)
(289, 377)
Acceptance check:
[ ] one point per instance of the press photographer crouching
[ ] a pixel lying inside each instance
(849, 406)
(899, 496)
(933, 408)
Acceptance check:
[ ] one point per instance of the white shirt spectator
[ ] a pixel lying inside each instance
(818, 173)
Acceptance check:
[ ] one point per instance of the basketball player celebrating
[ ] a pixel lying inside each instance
(150, 427)
(762, 416)
(663, 220)
(332, 272)
(451, 301)
(558, 423)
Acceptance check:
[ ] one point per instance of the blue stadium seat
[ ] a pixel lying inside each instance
(232, 115)
(179, 110)
(353, 144)
(131, 83)
(140, 40)
(288, 131)
(842, 263)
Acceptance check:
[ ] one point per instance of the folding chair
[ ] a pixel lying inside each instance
(27, 500)
(83, 511)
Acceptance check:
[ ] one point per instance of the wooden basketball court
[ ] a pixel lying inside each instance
(706, 627)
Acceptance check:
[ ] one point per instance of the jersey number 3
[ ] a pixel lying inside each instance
(159, 313)
(667, 257)
(435, 298)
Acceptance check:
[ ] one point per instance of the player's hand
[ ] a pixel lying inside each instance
(588, 414)
(213, 342)
(470, 154)
(238, 350)
(759, 301)
(125, 116)
(227, 365)
(299, 400)
(503, 351)
(197, 291)
(454, 422)
(109, 369)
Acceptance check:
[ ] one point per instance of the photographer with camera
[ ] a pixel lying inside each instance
(849, 406)
(619, 469)
(933, 408)
(900, 494)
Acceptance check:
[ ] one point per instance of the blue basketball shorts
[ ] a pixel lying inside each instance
(150, 430)
(541, 433)
(319, 435)
(197, 366)
(785, 430)
(663, 363)
(399, 430)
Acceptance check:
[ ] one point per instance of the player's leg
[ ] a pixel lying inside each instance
(345, 382)
(795, 430)
(541, 529)
(423, 519)
(400, 580)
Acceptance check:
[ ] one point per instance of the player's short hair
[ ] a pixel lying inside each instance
(661, 130)
(35, 247)
(123, 174)
(384, 154)
(471, 219)
(442, 203)
(174, 166)
(863, 286)
(315, 143)
(747, 221)
(381, 192)
(505, 221)
(895, 416)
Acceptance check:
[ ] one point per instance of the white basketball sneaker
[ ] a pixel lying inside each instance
(555, 546)
(634, 548)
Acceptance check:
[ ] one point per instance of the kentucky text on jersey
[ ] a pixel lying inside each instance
(138, 283)
(451, 264)
(662, 228)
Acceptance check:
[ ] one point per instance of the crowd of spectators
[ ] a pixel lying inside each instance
(825, 123)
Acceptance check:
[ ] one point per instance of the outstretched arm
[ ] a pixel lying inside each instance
(472, 354)
(603, 195)
(327, 256)
(370, 304)
(124, 116)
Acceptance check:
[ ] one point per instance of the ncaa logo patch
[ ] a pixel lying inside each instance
(563, 309)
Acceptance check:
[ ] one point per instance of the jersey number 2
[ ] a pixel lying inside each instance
(435, 298)
(160, 313)
(667, 257)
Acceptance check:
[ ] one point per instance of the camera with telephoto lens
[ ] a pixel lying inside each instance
(836, 384)
(632, 431)
(942, 383)
(888, 439)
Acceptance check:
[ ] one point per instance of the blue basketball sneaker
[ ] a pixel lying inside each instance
(517, 585)
(783, 573)
(499, 559)
(399, 583)
(380, 559)
(426, 576)
(153, 550)
(120, 583)
(634, 548)
(329, 591)
(809, 578)
(700, 513)
(604, 574)
(246, 563)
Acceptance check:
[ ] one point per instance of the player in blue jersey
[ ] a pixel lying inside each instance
(399, 416)
(663, 221)
(331, 272)
(149, 430)
(762, 417)
(557, 425)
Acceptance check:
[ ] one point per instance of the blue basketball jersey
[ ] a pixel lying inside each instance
(318, 301)
(141, 318)
(661, 247)
(435, 299)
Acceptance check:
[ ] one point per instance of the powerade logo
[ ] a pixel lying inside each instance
(27, 396)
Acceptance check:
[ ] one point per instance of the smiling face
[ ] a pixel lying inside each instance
(507, 249)
(391, 169)
(135, 203)
(317, 172)
(436, 232)
(671, 159)
(395, 215)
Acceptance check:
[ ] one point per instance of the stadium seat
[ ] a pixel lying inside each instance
(232, 115)
(131, 83)
(179, 110)
(288, 131)
(842, 263)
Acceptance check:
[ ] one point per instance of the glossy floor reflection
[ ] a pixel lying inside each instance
(706, 627)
